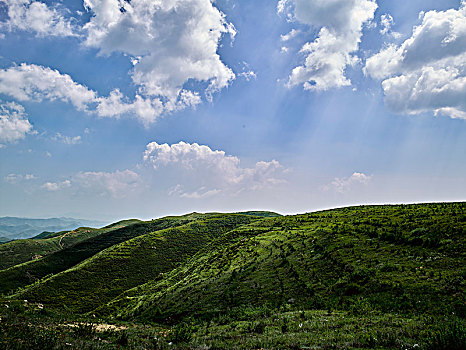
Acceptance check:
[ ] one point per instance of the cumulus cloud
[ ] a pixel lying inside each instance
(171, 41)
(210, 171)
(36, 17)
(13, 123)
(29, 82)
(55, 186)
(427, 72)
(386, 22)
(342, 185)
(116, 184)
(328, 56)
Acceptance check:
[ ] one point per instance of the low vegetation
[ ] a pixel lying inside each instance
(367, 277)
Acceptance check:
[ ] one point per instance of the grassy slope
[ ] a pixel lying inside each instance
(23, 250)
(378, 277)
(123, 266)
(27, 273)
(407, 258)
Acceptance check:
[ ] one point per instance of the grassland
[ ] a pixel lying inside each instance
(24, 250)
(367, 277)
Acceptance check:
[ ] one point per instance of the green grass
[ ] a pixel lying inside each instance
(27, 325)
(27, 273)
(24, 250)
(367, 277)
(130, 263)
(333, 259)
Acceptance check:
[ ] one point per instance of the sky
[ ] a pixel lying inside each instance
(113, 109)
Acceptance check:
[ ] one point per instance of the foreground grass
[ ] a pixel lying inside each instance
(26, 325)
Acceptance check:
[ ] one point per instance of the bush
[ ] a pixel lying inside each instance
(122, 339)
(181, 333)
(84, 330)
(448, 336)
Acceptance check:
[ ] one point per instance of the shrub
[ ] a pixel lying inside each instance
(122, 339)
(448, 336)
(181, 333)
(84, 330)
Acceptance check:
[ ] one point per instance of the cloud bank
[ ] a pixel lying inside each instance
(427, 72)
(209, 172)
(117, 184)
(170, 43)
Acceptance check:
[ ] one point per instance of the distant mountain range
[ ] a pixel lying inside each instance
(19, 228)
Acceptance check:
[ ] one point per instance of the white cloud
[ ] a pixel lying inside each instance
(55, 186)
(68, 140)
(116, 184)
(209, 171)
(15, 178)
(36, 17)
(285, 8)
(290, 35)
(342, 185)
(328, 56)
(427, 72)
(13, 122)
(387, 22)
(172, 41)
(29, 82)
(248, 75)
(32, 82)
(281, 6)
(202, 192)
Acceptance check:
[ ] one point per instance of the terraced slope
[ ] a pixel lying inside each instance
(407, 259)
(30, 272)
(23, 250)
(123, 266)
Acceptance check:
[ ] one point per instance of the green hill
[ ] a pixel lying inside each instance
(21, 228)
(128, 264)
(27, 273)
(23, 250)
(366, 277)
(392, 258)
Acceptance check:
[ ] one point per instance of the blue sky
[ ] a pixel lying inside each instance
(112, 109)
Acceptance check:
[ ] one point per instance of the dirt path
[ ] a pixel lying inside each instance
(63, 236)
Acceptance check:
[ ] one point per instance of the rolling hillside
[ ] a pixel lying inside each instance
(393, 258)
(20, 228)
(367, 277)
(27, 273)
(130, 263)
(23, 250)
